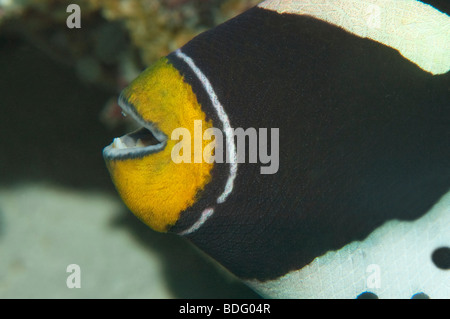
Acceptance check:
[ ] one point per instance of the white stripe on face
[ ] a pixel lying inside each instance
(229, 135)
(206, 214)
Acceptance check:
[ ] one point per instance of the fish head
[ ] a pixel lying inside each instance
(144, 166)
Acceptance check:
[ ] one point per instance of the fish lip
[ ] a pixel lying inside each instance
(110, 152)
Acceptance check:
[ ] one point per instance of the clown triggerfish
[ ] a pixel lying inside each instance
(304, 145)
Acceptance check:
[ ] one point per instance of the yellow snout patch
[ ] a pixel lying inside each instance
(154, 187)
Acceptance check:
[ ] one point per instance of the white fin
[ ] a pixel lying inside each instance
(417, 30)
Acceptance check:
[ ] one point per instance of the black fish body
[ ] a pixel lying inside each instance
(347, 189)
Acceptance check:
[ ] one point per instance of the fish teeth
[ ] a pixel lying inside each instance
(139, 143)
(117, 143)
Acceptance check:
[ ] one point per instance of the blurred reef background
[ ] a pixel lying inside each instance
(58, 207)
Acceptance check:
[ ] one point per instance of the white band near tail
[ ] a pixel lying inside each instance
(375, 264)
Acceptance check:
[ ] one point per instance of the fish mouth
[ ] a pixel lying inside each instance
(141, 142)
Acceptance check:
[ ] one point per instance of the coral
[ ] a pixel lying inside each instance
(150, 28)
(159, 27)
(117, 38)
